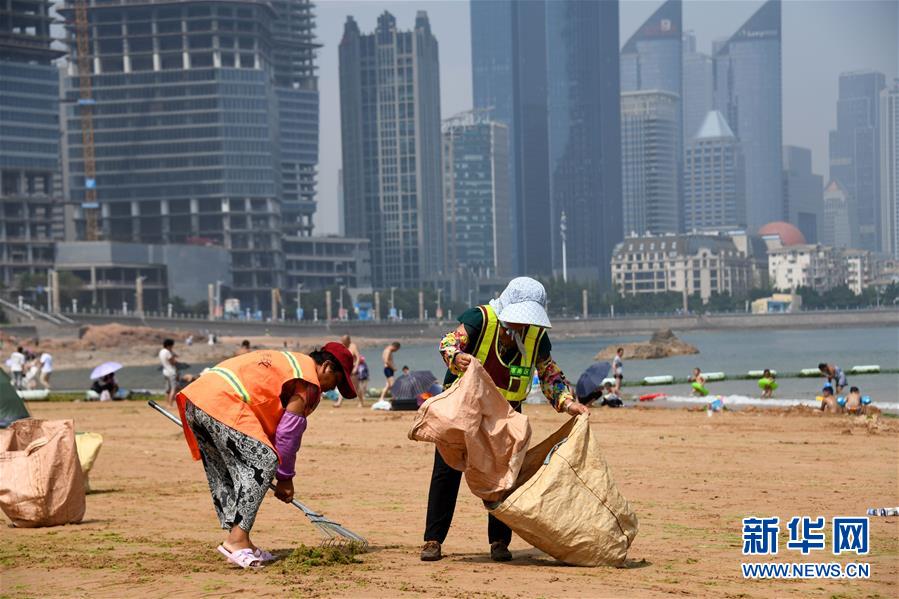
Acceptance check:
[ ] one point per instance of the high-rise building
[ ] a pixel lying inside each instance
(296, 89)
(652, 57)
(889, 170)
(802, 192)
(855, 149)
(390, 127)
(476, 195)
(29, 139)
(748, 93)
(649, 162)
(493, 65)
(652, 60)
(205, 128)
(714, 178)
(698, 88)
(583, 85)
(840, 225)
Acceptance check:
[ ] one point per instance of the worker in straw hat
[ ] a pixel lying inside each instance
(508, 336)
(245, 418)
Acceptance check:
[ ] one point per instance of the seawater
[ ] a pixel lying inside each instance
(732, 352)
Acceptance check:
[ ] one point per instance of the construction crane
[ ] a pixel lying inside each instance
(86, 104)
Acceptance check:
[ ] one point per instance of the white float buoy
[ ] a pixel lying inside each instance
(658, 380)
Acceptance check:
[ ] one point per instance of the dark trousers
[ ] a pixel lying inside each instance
(442, 503)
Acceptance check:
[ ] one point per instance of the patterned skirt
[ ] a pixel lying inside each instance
(239, 468)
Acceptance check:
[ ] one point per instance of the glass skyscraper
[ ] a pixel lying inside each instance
(698, 97)
(493, 85)
(889, 170)
(204, 128)
(748, 93)
(584, 135)
(390, 126)
(802, 192)
(652, 59)
(508, 55)
(649, 161)
(855, 150)
(29, 139)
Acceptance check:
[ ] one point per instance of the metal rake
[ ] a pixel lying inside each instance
(333, 534)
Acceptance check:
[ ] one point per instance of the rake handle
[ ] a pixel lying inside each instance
(311, 514)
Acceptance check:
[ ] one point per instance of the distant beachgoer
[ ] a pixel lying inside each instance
(767, 384)
(829, 401)
(854, 401)
(211, 339)
(389, 366)
(698, 383)
(31, 371)
(46, 361)
(405, 370)
(354, 351)
(610, 396)
(244, 347)
(169, 360)
(16, 366)
(618, 369)
(834, 375)
(106, 387)
(362, 376)
(189, 341)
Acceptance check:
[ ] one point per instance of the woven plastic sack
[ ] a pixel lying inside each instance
(565, 502)
(477, 432)
(41, 483)
(88, 446)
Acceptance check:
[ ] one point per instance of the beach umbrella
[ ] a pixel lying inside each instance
(410, 386)
(104, 369)
(591, 381)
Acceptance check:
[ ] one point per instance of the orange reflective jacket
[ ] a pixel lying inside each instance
(244, 392)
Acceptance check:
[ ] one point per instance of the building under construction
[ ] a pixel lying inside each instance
(29, 140)
(204, 118)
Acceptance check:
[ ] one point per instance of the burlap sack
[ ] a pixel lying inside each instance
(565, 502)
(476, 431)
(41, 483)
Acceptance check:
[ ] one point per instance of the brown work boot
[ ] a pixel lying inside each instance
(499, 552)
(431, 552)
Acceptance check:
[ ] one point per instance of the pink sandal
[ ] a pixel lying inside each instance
(244, 558)
(264, 555)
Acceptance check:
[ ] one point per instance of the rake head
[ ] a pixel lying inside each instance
(335, 535)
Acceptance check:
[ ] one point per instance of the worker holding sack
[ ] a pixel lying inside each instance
(508, 337)
(245, 417)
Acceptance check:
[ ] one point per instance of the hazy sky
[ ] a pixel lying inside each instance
(821, 39)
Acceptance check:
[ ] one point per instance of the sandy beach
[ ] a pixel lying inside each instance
(150, 530)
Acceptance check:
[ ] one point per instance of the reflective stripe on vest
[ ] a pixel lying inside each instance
(523, 369)
(294, 364)
(232, 380)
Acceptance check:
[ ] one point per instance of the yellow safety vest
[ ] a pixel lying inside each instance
(512, 380)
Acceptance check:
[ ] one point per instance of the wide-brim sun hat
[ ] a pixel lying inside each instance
(343, 355)
(523, 302)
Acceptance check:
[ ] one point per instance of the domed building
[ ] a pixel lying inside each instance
(789, 235)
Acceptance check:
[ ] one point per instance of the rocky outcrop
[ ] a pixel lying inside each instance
(662, 344)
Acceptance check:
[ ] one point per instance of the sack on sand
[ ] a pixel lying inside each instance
(41, 483)
(477, 432)
(565, 502)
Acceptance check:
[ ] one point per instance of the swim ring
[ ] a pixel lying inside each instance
(697, 386)
(765, 384)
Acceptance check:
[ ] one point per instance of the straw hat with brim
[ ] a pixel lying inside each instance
(523, 302)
